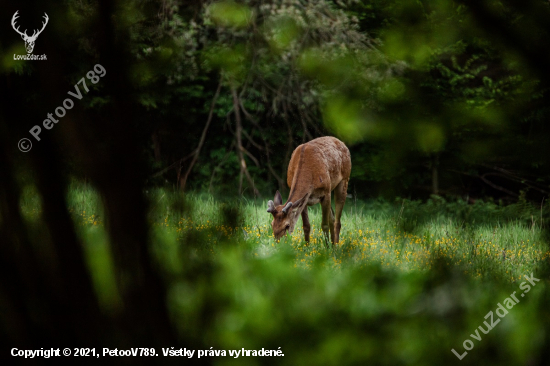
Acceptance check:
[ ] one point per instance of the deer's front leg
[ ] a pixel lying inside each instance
(305, 224)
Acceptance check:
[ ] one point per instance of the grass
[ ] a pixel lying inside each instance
(404, 236)
(408, 282)
(395, 236)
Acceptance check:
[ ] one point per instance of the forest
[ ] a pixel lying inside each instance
(141, 142)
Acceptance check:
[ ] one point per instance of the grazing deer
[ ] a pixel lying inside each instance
(316, 168)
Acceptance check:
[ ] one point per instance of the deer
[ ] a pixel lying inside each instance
(316, 168)
(29, 40)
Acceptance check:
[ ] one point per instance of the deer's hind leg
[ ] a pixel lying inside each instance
(340, 194)
(328, 221)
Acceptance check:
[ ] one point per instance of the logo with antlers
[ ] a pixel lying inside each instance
(29, 40)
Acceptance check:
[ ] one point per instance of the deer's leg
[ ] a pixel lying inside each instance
(331, 225)
(333, 232)
(328, 223)
(340, 194)
(305, 224)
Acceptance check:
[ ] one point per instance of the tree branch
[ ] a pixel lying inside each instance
(240, 148)
(502, 189)
(183, 180)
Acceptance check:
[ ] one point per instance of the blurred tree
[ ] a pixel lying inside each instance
(46, 291)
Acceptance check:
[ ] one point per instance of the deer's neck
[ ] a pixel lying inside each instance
(301, 182)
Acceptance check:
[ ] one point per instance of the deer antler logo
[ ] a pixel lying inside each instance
(29, 40)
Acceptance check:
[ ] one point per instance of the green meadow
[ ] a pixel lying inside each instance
(408, 282)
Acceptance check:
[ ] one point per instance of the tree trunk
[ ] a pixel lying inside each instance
(156, 145)
(435, 174)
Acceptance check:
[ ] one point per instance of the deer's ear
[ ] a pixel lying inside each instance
(278, 200)
(270, 206)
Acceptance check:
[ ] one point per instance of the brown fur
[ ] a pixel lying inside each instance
(316, 168)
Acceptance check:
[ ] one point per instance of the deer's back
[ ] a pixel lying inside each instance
(322, 163)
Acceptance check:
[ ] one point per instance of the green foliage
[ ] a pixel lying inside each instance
(398, 81)
(230, 286)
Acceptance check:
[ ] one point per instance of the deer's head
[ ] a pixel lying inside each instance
(284, 216)
(29, 40)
